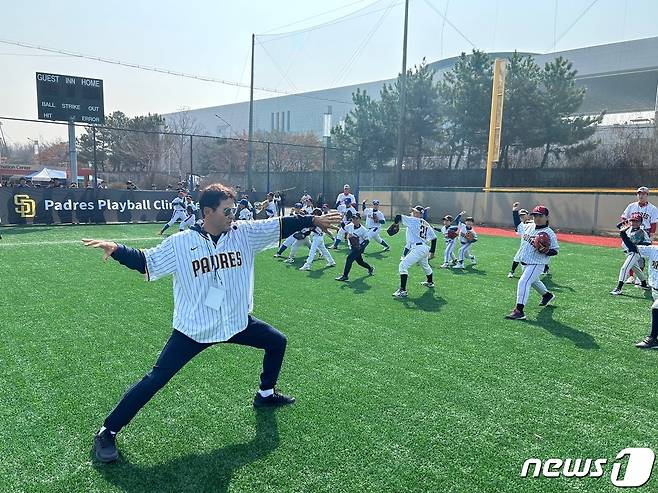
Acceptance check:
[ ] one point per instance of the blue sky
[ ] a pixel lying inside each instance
(212, 38)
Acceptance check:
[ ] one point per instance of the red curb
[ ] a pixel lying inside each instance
(604, 241)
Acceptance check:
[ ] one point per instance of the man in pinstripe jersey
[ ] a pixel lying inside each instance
(212, 266)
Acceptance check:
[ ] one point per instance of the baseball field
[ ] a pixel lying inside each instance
(436, 392)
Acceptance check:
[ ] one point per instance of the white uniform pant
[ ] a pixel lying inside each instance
(317, 243)
(341, 234)
(177, 216)
(419, 254)
(290, 241)
(633, 262)
(373, 234)
(530, 278)
(654, 293)
(448, 252)
(463, 251)
(295, 246)
(188, 221)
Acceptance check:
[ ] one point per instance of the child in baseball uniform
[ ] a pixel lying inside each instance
(190, 209)
(357, 236)
(307, 205)
(533, 256)
(317, 245)
(520, 218)
(374, 222)
(649, 252)
(294, 241)
(347, 210)
(450, 232)
(180, 211)
(638, 236)
(421, 239)
(467, 236)
(244, 212)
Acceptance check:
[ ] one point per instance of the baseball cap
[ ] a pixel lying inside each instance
(523, 211)
(356, 216)
(636, 216)
(345, 186)
(270, 193)
(244, 202)
(298, 205)
(375, 202)
(540, 210)
(419, 208)
(325, 205)
(642, 190)
(448, 217)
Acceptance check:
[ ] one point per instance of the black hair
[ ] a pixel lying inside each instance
(212, 195)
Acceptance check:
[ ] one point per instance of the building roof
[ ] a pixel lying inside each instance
(619, 77)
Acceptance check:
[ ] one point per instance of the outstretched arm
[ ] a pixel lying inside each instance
(627, 241)
(130, 257)
(515, 214)
(458, 219)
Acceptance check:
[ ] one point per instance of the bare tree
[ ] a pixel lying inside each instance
(177, 147)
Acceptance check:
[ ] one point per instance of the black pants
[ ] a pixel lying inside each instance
(355, 255)
(180, 349)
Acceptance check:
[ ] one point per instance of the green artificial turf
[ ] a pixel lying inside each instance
(433, 393)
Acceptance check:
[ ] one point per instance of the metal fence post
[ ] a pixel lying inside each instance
(191, 166)
(324, 165)
(93, 135)
(268, 167)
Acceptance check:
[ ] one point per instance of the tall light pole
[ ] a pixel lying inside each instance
(250, 149)
(326, 133)
(403, 96)
(35, 149)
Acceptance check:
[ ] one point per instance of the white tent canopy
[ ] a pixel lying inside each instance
(47, 174)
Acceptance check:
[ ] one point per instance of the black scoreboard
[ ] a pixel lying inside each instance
(68, 98)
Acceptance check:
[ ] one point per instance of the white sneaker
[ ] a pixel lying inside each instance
(331, 264)
(510, 274)
(445, 265)
(289, 260)
(473, 261)
(458, 266)
(427, 284)
(630, 280)
(305, 267)
(400, 293)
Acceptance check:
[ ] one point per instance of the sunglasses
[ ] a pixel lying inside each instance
(230, 211)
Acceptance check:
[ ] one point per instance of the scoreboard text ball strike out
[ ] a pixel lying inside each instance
(69, 98)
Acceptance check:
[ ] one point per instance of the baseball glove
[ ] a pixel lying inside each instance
(637, 236)
(542, 242)
(393, 229)
(469, 236)
(452, 233)
(354, 241)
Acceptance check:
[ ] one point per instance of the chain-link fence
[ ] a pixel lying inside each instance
(611, 146)
(166, 160)
(152, 159)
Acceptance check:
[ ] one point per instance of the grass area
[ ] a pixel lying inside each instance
(433, 393)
